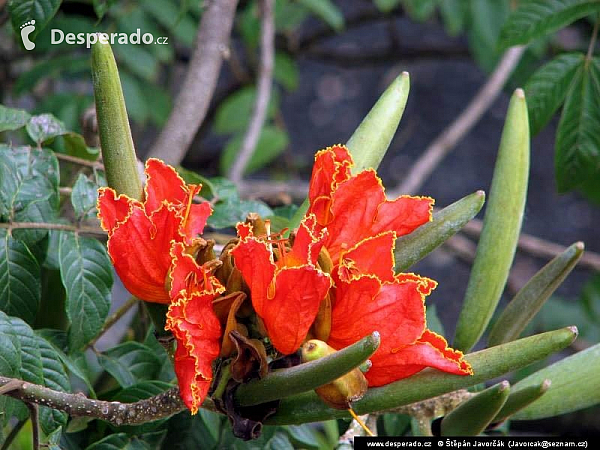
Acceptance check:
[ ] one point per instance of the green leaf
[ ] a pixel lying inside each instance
(119, 441)
(28, 188)
(191, 177)
(528, 301)
(86, 273)
(271, 143)
(75, 145)
(547, 88)
(285, 71)
(420, 10)
(487, 364)
(232, 210)
(454, 14)
(307, 376)
(181, 26)
(474, 415)
(54, 439)
(141, 391)
(501, 226)
(52, 68)
(44, 127)
(31, 365)
(55, 377)
(129, 363)
(12, 119)
(19, 279)
(386, 6)
(10, 362)
(41, 11)
(189, 432)
(536, 18)
(138, 61)
(136, 101)
(447, 222)
(575, 385)
(577, 154)
(235, 111)
(304, 436)
(101, 7)
(487, 18)
(395, 424)
(84, 197)
(327, 11)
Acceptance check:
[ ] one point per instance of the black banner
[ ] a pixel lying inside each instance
(500, 442)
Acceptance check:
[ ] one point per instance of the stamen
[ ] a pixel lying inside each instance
(268, 228)
(191, 191)
(360, 422)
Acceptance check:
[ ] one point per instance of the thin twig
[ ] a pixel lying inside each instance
(446, 141)
(114, 318)
(539, 247)
(79, 161)
(263, 92)
(76, 405)
(194, 98)
(13, 434)
(35, 425)
(53, 226)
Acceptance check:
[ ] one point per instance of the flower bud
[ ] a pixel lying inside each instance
(340, 393)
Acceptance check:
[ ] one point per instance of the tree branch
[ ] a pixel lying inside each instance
(192, 102)
(446, 141)
(76, 405)
(80, 161)
(53, 226)
(263, 92)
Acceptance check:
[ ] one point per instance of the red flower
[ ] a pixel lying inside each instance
(140, 233)
(286, 293)
(195, 326)
(362, 227)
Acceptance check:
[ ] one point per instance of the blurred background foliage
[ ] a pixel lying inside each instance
(313, 37)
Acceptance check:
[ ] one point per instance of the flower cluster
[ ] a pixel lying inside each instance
(332, 279)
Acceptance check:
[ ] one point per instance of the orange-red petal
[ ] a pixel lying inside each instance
(373, 255)
(198, 333)
(140, 250)
(196, 221)
(163, 184)
(289, 313)
(188, 277)
(307, 243)
(113, 209)
(364, 305)
(403, 215)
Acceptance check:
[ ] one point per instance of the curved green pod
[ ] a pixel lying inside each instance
(307, 376)
(371, 140)
(528, 301)
(118, 152)
(487, 364)
(471, 417)
(501, 226)
(575, 385)
(521, 398)
(447, 222)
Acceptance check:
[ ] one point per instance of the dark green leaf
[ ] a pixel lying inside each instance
(138, 61)
(547, 88)
(167, 13)
(191, 177)
(12, 119)
(86, 273)
(53, 67)
(304, 436)
(454, 14)
(395, 424)
(271, 143)
(101, 6)
(23, 11)
(75, 145)
(487, 17)
(419, 10)
(130, 362)
(142, 390)
(289, 16)
(83, 197)
(386, 6)
(536, 18)
(10, 362)
(136, 101)
(327, 11)
(286, 71)
(186, 431)
(233, 210)
(223, 188)
(119, 441)
(135, 19)
(31, 364)
(19, 279)
(44, 127)
(54, 439)
(234, 112)
(577, 153)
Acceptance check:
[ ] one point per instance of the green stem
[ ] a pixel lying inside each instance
(307, 376)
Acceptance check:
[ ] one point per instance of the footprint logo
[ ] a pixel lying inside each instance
(26, 29)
